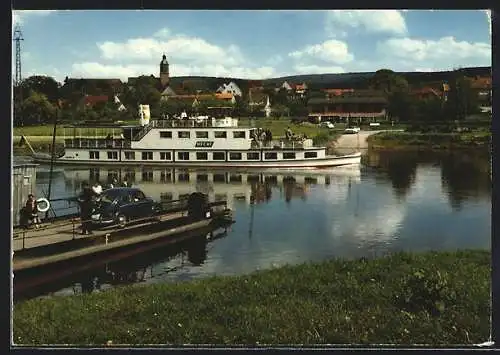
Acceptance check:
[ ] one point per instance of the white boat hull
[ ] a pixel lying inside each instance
(328, 161)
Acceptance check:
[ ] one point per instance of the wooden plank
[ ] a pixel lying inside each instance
(31, 263)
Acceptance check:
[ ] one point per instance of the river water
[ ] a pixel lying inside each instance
(395, 201)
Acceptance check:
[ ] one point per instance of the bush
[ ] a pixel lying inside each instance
(426, 290)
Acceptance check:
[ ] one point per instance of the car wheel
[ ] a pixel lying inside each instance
(122, 221)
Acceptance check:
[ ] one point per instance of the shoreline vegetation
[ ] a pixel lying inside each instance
(430, 141)
(432, 298)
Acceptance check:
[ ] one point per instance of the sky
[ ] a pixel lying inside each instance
(249, 44)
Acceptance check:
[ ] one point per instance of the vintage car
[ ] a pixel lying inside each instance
(119, 206)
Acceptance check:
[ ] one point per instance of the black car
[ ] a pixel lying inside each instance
(122, 205)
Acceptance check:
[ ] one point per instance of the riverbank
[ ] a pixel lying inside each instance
(431, 141)
(428, 298)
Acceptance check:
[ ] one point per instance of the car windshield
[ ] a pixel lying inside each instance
(109, 196)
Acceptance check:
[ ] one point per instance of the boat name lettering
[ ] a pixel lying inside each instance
(204, 144)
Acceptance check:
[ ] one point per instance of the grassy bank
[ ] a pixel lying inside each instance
(431, 298)
(415, 140)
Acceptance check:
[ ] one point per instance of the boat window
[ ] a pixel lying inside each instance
(93, 155)
(288, 155)
(147, 155)
(201, 156)
(239, 134)
(235, 178)
(165, 177)
(253, 178)
(165, 134)
(234, 156)
(310, 154)
(201, 134)
(130, 155)
(271, 155)
(183, 155)
(202, 177)
(219, 178)
(147, 175)
(183, 177)
(310, 180)
(113, 155)
(253, 156)
(165, 156)
(218, 156)
(183, 134)
(220, 134)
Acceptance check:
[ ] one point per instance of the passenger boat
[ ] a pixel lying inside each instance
(200, 142)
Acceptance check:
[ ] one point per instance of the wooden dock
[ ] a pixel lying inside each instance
(31, 248)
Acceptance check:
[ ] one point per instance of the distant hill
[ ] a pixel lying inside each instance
(318, 81)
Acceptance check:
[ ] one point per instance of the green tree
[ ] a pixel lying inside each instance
(388, 81)
(462, 100)
(42, 84)
(37, 109)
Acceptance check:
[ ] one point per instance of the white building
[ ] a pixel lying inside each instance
(230, 88)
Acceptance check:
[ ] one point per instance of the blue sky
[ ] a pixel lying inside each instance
(250, 44)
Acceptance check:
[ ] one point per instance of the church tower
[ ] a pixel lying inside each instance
(164, 73)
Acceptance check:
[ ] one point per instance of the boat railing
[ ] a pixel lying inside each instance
(282, 144)
(193, 123)
(143, 132)
(96, 143)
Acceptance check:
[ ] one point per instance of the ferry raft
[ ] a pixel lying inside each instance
(201, 142)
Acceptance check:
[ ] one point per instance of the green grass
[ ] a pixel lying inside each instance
(429, 298)
(477, 139)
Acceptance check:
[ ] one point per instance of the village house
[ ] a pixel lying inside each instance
(426, 93)
(230, 88)
(92, 100)
(483, 89)
(349, 104)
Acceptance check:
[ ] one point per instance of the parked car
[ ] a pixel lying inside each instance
(119, 206)
(352, 130)
(327, 124)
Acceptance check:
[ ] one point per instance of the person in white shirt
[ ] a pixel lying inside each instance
(97, 189)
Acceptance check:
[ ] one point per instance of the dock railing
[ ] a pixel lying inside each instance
(52, 226)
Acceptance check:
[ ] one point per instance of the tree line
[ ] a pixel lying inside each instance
(39, 99)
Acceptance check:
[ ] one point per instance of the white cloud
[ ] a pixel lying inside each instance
(318, 69)
(418, 53)
(100, 70)
(20, 16)
(372, 21)
(177, 48)
(187, 56)
(332, 50)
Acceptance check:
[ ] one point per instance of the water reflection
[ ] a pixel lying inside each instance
(119, 268)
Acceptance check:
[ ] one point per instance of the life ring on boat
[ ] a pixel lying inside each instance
(43, 200)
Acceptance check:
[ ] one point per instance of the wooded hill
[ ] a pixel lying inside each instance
(320, 81)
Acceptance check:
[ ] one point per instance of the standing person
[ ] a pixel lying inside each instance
(31, 210)
(97, 189)
(85, 200)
